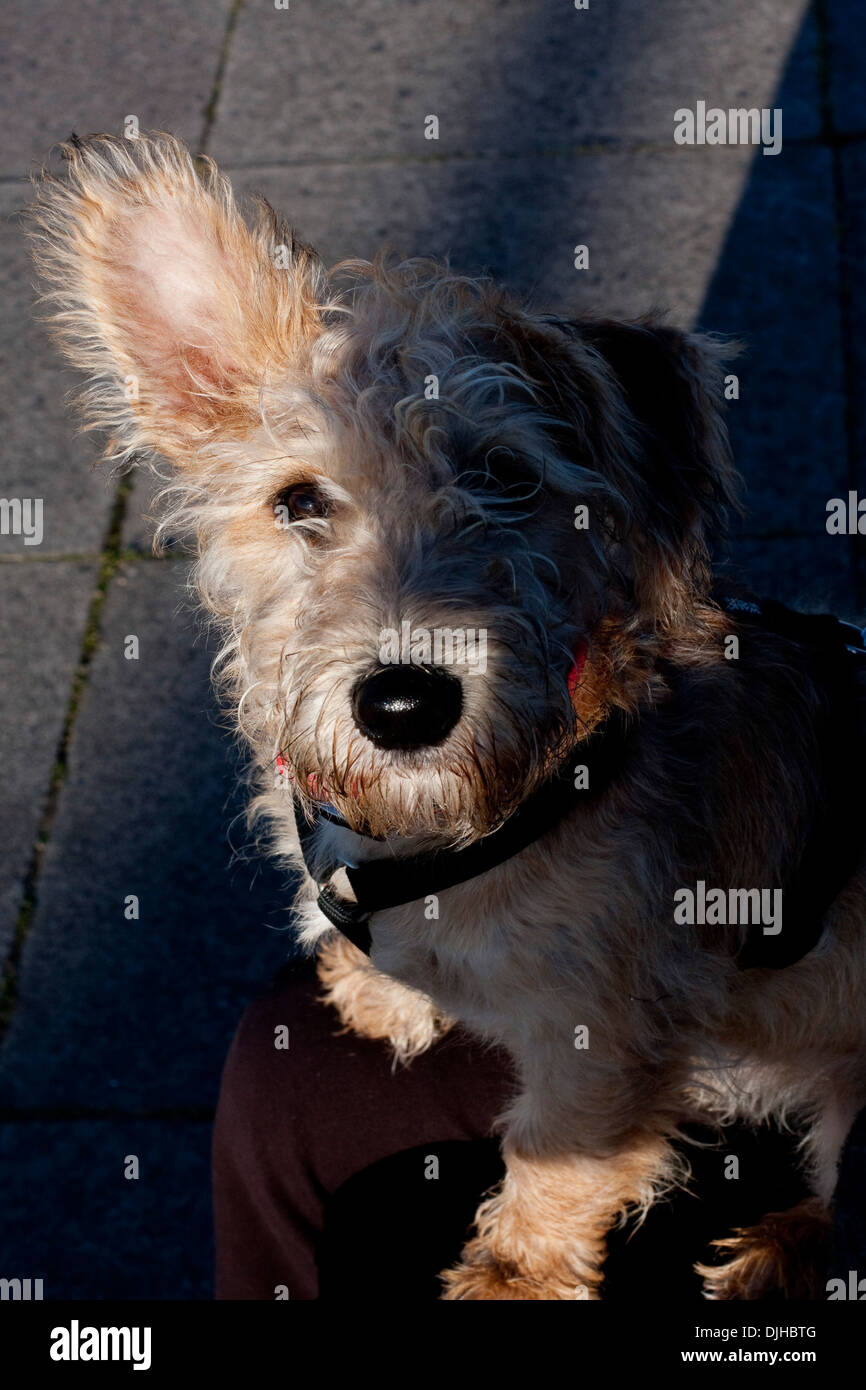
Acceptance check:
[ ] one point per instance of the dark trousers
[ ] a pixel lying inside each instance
(339, 1175)
(322, 1152)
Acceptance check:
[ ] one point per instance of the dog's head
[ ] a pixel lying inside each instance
(445, 535)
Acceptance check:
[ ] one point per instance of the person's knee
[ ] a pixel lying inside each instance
(269, 1056)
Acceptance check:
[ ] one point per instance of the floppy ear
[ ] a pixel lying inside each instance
(684, 480)
(175, 307)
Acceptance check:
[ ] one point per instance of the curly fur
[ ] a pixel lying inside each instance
(252, 370)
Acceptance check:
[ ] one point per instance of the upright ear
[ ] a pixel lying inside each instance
(684, 480)
(161, 292)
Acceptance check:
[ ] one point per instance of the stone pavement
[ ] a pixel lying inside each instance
(555, 129)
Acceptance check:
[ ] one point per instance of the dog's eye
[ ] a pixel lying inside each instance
(300, 502)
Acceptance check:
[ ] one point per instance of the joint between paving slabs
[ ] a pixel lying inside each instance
(210, 109)
(110, 560)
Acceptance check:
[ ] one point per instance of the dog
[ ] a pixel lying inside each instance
(391, 455)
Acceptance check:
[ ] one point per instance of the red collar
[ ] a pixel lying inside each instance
(576, 671)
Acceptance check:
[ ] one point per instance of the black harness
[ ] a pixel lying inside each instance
(382, 883)
(835, 844)
(350, 895)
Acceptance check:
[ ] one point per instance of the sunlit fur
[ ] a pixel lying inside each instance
(453, 433)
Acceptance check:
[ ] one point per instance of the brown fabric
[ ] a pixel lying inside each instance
(294, 1125)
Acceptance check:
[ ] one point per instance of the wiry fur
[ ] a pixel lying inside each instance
(787, 1251)
(458, 512)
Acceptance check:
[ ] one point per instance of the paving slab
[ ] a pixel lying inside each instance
(854, 191)
(846, 33)
(853, 161)
(43, 613)
(502, 76)
(143, 511)
(745, 244)
(41, 456)
(799, 90)
(86, 67)
(127, 1013)
(776, 289)
(71, 1218)
(654, 223)
(811, 572)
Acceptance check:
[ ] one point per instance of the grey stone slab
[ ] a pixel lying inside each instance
(776, 289)
(144, 510)
(86, 67)
(71, 1218)
(330, 81)
(655, 223)
(140, 518)
(813, 572)
(799, 89)
(41, 455)
(43, 612)
(847, 58)
(131, 1013)
(854, 191)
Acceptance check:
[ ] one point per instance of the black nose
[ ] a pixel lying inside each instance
(407, 706)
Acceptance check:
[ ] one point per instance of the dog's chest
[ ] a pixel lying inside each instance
(560, 936)
(524, 949)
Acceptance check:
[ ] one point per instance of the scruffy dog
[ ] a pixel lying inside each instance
(394, 449)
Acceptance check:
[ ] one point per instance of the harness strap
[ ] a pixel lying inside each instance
(349, 895)
(835, 841)
(389, 882)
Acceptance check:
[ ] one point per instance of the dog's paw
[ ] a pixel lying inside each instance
(480, 1276)
(375, 1006)
(786, 1253)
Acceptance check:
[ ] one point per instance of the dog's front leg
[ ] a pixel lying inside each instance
(542, 1234)
(375, 1005)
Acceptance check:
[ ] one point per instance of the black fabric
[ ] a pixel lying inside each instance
(352, 921)
(848, 1250)
(837, 836)
(391, 1227)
